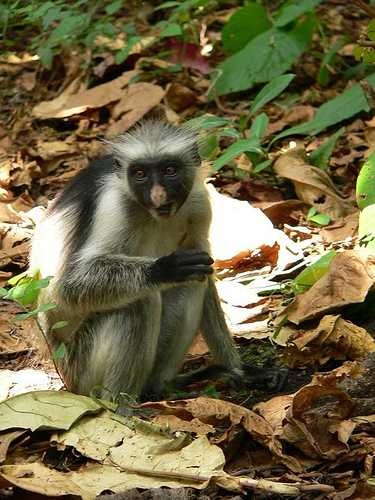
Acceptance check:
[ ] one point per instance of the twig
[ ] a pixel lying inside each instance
(184, 476)
(369, 9)
(285, 488)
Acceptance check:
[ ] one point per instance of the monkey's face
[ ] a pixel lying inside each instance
(161, 185)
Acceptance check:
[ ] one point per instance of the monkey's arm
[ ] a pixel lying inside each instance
(216, 333)
(108, 282)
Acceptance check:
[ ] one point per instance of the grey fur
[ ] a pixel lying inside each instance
(125, 333)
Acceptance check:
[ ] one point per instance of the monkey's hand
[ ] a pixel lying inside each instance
(182, 265)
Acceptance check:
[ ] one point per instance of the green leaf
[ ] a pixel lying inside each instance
(264, 58)
(313, 273)
(209, 146)
(59, 324)
(167, 5)
(122, 54)
(241, 146)
(338, 109)
(70, 26)
(114, 7)
(366, 229)
(262, 166)
(365, 189)
(321, 156)
(259, 127)
(270, 91)
(292, 9)
(60, 352)
(3, 292)
(45, 54)
(324, 76)
(15, 279)
(371, 30)
(207, 122)
(244, 25)
(171, 29)
(46, 307)
(320, 219)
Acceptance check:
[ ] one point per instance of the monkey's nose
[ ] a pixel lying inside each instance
(158, 196)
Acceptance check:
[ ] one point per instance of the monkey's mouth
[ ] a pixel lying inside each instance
(165, 210)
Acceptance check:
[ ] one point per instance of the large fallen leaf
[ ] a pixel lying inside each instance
(71, 104)
(316, 419)
(333, 338)
(227, 417)
(312, 185)
(45, 410)
(347, 281)
(135, 102)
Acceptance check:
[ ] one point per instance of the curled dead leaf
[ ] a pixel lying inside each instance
(347, 281)
(312, 185)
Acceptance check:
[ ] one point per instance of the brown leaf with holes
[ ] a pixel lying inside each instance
(229, 420)
(312, 185)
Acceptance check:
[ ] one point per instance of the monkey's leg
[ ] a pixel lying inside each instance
(216, 333)
(115, 351)
(181, 316)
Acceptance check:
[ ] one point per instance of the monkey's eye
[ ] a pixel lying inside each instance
(170, 171)
(140, 174)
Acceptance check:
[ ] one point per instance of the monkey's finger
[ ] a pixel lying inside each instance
(193, 272)
(201, 258)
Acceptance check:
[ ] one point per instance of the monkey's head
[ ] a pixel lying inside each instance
(158, 163)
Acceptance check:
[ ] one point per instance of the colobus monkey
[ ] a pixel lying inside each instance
(127, 245)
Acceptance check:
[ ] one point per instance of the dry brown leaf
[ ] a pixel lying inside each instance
(283, 212)
(19, 252)
(312, 185)
(344, 228)
(135, 102)
(179, 97)
(230, 418)
(297, 114)
(49, 149)
(70, 103)
(174, 423)
(333, 338)
(348, 280)
(309, 429)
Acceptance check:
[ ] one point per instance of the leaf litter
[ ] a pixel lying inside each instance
(313, 440)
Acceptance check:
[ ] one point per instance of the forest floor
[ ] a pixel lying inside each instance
(302, 424)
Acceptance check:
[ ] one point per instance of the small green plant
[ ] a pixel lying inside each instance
(365, 50)
(24, 289)
(248, 132)
(317, 218)
(265, 49)
(55, 26)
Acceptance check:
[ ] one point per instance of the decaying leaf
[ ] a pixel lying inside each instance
(230, 418)
(68, 103)
(135, 102)
(347, 281)
(334, 337)
(45, 410)
(312, 185)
